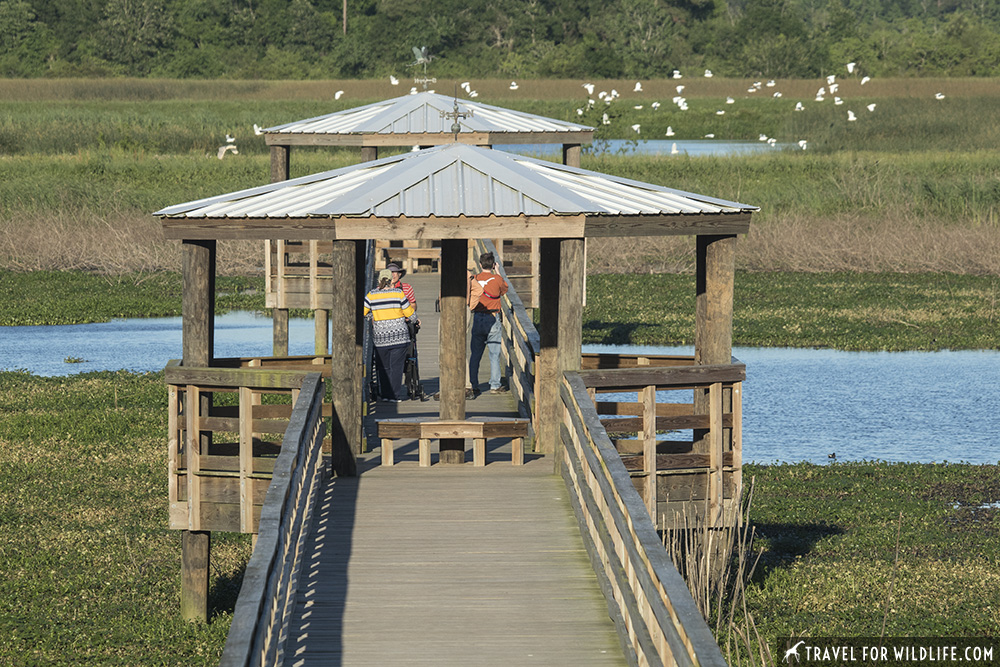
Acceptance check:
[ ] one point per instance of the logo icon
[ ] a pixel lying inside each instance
(794, 651)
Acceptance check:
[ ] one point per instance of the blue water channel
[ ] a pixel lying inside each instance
(798, 405)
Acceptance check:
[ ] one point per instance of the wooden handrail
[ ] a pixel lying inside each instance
(258, 630)
(658, 621)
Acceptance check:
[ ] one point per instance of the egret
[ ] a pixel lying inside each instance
(589, 87)
(831, 78)
(762, 137)
(655, 105)
(798, 106)
(513, 85)
(834, 87)
(601, 95)
(638, 87)
(590, 103)
(838, 101)
(673, 148)
(579, 112)
(393, 80)
(337, 95)
(670, 131)
(757, 85)
(466, 86)
(730, 100)
(413, 90)
(637, 107)
(257, 129)
(802, 144)
(771, 84)
(772, 141)
(720, 112)
(680, 89)
(821, 91)
(225, 149)
(676, 74)
(777, 93)
(708, 74)
(613, 94)
(636, 128)
(605, 120)
(751, 89)
(851, 116)
(710, 135)
(474, 93)
(850, 68)
(229, 138)
(871, 107)
(939, 96)
(865, 79)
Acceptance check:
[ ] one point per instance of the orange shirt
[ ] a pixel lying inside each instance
(493, 288)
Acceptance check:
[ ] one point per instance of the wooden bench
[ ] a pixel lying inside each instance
(478, 428)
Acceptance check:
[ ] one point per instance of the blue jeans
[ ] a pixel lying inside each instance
(486, 334)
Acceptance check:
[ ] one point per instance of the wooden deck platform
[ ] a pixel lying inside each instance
(448, 565)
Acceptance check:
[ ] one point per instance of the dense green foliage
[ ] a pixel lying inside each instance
(92, 572)
(519, 38)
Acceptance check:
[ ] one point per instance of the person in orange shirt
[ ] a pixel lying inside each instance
(487, 325)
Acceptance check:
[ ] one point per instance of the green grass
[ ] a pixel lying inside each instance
(92, 575)
(828, 535)
(847, 311)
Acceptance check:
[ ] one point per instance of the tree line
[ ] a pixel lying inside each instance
(331, 39)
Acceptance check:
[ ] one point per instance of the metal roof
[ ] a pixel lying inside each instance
(425, 113)
(454, 180)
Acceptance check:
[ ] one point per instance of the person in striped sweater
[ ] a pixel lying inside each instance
(389, 310)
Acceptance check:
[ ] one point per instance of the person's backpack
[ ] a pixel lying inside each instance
(475, 292)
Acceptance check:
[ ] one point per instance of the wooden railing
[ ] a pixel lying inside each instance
(267, 596)
(221, 457)
(657, 620)
(674, 476)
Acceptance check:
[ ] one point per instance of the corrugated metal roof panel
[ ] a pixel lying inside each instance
(452, 180)
(425, 113)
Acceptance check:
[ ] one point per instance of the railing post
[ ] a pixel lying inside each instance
(246, 459)
(715, 486)
(649, 447)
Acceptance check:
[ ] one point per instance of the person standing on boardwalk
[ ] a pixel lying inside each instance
(486, 324)
(397, 281)
(389, 310)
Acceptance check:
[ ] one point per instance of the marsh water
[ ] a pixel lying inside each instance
(692, 148)
(799, 404)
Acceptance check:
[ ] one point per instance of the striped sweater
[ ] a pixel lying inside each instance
(389, 309)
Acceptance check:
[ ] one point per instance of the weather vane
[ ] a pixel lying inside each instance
(456, 127)
(422, 58)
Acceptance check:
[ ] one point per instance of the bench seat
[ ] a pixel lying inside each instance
(480, 429)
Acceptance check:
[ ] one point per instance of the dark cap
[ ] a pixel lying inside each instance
(394, 267)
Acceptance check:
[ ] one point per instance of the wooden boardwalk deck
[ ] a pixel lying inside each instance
(448, 565)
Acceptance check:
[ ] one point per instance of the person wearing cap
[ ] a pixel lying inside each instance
(389, 310)
(397, 281)
(487, 325)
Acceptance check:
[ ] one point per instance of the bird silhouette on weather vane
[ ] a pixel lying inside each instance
(423, 57)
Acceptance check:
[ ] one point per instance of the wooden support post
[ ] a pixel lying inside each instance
(198, 327)
(547, 402)
(649, 448)
(322, 334)
(571, 155)
(452, 351)
(345, 380)
(572, 273)
(355, 436)
(369, 153)
(715, 492)
(280, 161)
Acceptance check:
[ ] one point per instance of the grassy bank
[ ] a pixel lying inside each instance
(848, 311)
(94, 575)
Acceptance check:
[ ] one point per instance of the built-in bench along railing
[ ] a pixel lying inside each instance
(259, 628)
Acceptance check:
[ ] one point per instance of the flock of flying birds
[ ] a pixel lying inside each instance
(607, 98)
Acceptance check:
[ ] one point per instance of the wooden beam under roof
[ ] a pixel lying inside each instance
(425, 138)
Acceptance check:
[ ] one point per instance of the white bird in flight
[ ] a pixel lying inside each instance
(655, 105)
(413, 90)
(670, 131)
(798, 106)
(831, 78)
(708, 74)
(637, 107)
(850, 68)
(225, 149)
(838, 101)
(466, 86)
(230, 138)
(636, 128)
(939, 96)
(720, 112)
(710, 135)
(393, 80)
(673, 148)
(337, 95)
(605, 120)
(771, 84)
(589, 87)
(730, 100)
(851, 116)
(474, 93)
(513, 85)
(257, 129)
(865, 79)
(638, 87)
(777, 93)
(762, 137)
(677, 74)
(871, 107)
(802, 144)
(679, 89)
(834, 87)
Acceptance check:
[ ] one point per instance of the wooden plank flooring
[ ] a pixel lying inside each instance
(448, 565)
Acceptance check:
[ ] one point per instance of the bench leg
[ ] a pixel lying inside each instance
(425, 453)
(517, 451)
(386, 452)
(479, 452)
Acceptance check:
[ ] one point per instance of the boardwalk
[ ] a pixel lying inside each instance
(448, 565)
